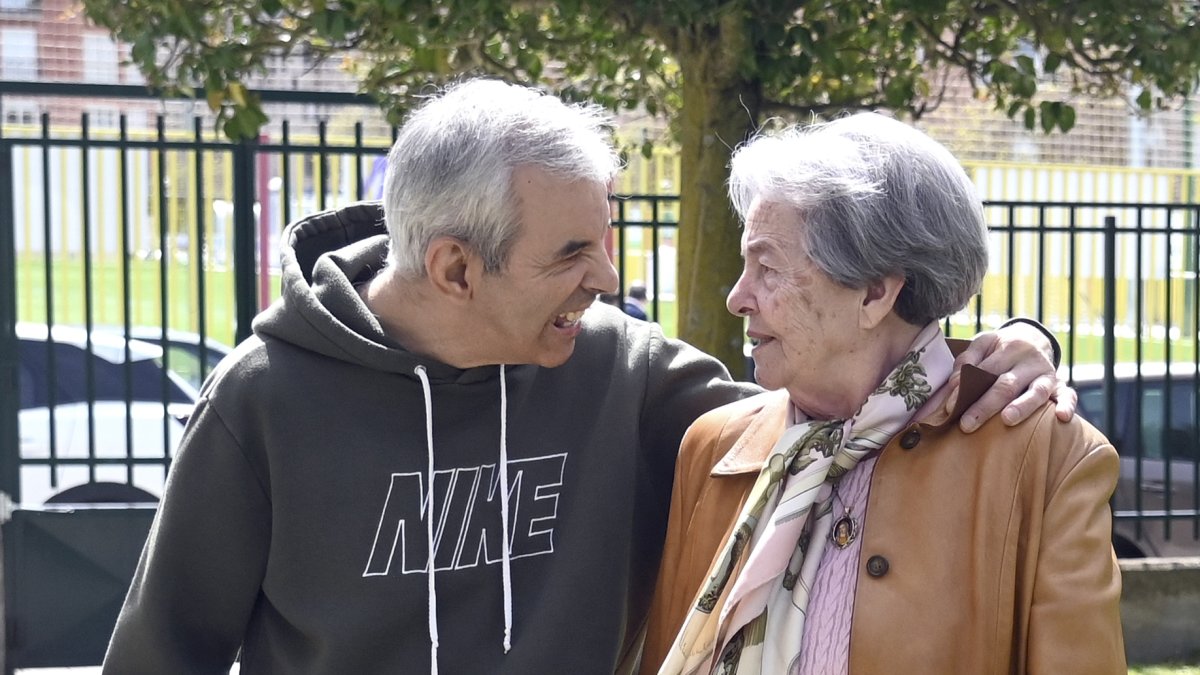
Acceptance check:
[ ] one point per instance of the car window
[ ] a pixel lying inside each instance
(31, 396)
(1152, 420)
(1171, 435)
(1092, 407)
(185, 359)
(1161, 435)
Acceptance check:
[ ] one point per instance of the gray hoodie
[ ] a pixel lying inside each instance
(297, 516)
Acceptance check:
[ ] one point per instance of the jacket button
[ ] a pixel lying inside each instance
(877, 566)
(910, 439)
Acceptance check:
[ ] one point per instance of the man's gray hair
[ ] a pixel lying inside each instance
(874, 197)
(449, 172)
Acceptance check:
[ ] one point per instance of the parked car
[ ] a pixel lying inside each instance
(187, 354)
(108, 399)
(1154, 431)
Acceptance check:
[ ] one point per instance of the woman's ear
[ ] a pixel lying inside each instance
(879, 300)
(448, 264)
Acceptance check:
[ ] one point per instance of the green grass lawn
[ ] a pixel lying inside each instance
(1168, 669)
(158, 294)
(170, 293)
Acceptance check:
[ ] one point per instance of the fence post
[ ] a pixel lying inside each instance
(10, 475)
(1110, 323)
(10, 439)
(245, 290)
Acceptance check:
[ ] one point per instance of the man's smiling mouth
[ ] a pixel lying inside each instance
(568, 319)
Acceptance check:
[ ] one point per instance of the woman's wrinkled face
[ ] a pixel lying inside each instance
(804, 326)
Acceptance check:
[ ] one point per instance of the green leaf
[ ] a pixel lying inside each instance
(337, 27)
(1025, 86)
(802, 64)
(1025, 65)
(1144, 99)
(1066, 118)
(143, 49)
(1030, 118)
(215, 97)
(1049, 117)
(898, 92)
(1052, 62)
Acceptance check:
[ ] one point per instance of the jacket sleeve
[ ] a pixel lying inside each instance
(683, 383)
(1074, 620)
(202, 566)
(675, 589)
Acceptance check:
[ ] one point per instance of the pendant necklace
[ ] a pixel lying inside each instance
(845, 529)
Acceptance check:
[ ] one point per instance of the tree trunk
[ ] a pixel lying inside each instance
(720, 107)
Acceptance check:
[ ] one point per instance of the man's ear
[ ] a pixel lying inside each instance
(448, 264)
(879, 299)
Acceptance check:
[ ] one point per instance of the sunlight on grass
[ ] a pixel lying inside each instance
(1164, 670)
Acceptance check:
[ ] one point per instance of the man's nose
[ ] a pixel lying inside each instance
(603, 276)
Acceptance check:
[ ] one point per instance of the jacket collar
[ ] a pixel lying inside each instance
(753, 446)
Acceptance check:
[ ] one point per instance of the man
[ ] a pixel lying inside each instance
(428, 456)
(635, 302)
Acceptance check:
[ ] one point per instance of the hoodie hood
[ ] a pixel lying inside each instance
(323, 257)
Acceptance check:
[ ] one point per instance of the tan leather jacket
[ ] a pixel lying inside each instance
(983, 553)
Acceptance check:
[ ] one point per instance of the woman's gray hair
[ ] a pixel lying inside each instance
(874, 197)
(449, 172)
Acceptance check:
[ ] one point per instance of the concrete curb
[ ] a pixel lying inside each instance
(1160, 610)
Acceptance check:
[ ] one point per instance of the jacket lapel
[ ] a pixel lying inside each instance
(752, 447)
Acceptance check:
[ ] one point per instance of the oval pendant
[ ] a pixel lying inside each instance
(845, 529)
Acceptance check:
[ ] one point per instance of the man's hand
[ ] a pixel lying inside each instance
(1022, 356)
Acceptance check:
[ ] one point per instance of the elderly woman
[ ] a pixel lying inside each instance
(845, 523)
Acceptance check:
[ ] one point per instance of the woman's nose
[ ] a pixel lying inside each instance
(740, 301)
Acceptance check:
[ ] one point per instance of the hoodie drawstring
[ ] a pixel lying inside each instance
(433, 629)
(506, 561)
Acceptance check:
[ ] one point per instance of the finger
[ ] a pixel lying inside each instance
(1004, 390)
(1028, 403)
(979, 348)
(1022, 360)
(1066, 402)
(951, 388)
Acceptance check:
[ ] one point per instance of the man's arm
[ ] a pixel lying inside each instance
(202, 566)
(1025, 356)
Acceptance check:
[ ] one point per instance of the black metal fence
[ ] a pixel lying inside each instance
(135, 245)
(153, 219)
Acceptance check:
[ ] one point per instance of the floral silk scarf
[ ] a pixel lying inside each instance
(749, 616)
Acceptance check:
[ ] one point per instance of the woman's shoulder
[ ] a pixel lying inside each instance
(1056, 447)
(738, 415)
